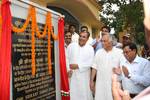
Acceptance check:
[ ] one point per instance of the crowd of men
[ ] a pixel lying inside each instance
(90, 65)
(103, 70)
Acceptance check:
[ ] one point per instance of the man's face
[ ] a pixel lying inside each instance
(106, 42)
(72, 29)
(126, 40)
(66, 28)
(129, 54)
(105, 31)
(83, 38)
(68, 38)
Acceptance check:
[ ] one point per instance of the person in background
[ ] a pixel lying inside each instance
(75, 36)
(146, 52)
(126, 39)
(68, 36)
(135, 71)
(80, 56)
(66, 27)
(97, 41)
(84, 28)
(105, 60)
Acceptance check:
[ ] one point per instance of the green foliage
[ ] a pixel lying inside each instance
(129, 16)
(140, 38)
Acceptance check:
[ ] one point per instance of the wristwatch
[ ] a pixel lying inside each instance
(129, 76)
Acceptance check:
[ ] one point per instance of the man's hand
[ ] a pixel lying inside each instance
(147, 20)
(117, 92)
(92, 86)
(125, 71)
(117, 70)
(97, 38)
(92, 83)
(146, 23)
(70, 73)
(74, 66)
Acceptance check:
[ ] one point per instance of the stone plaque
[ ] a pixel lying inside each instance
(24, 85)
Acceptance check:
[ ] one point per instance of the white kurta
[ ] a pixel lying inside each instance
(67, 62)
(79, 82)
(75, 37)
(103, 63)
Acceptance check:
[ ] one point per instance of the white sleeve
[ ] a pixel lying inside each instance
(95, 63)
(83, 66)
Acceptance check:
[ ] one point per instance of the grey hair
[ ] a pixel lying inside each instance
(112, 39)
(109, 36)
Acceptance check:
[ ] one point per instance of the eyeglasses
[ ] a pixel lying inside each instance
(127, 52)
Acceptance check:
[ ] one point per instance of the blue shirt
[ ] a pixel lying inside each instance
(139, 70)
(98, 46)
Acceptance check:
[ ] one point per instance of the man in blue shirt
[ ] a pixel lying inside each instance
(97, 41)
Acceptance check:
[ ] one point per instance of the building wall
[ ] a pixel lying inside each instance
(85, 11)
(40, 2)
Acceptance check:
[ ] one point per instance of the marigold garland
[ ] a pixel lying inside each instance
(49, 22)
(35, 29)
(33, 12)
(19, 30)
(43, 34)
(49, 53)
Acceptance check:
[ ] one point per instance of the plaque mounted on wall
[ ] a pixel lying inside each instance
(24, 85)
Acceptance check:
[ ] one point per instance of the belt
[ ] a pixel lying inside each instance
(132, 95)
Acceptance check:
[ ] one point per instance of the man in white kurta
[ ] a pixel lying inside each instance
(68, 36)
(105, 60)
(80, 57)
(75, 36)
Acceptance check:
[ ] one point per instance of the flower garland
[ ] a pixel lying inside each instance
(19, 30)
(35, 29)
(49, 53)
(50, 32)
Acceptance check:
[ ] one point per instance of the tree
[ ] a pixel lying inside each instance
(129, 15)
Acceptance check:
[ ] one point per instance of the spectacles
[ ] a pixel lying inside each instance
(127, 52)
